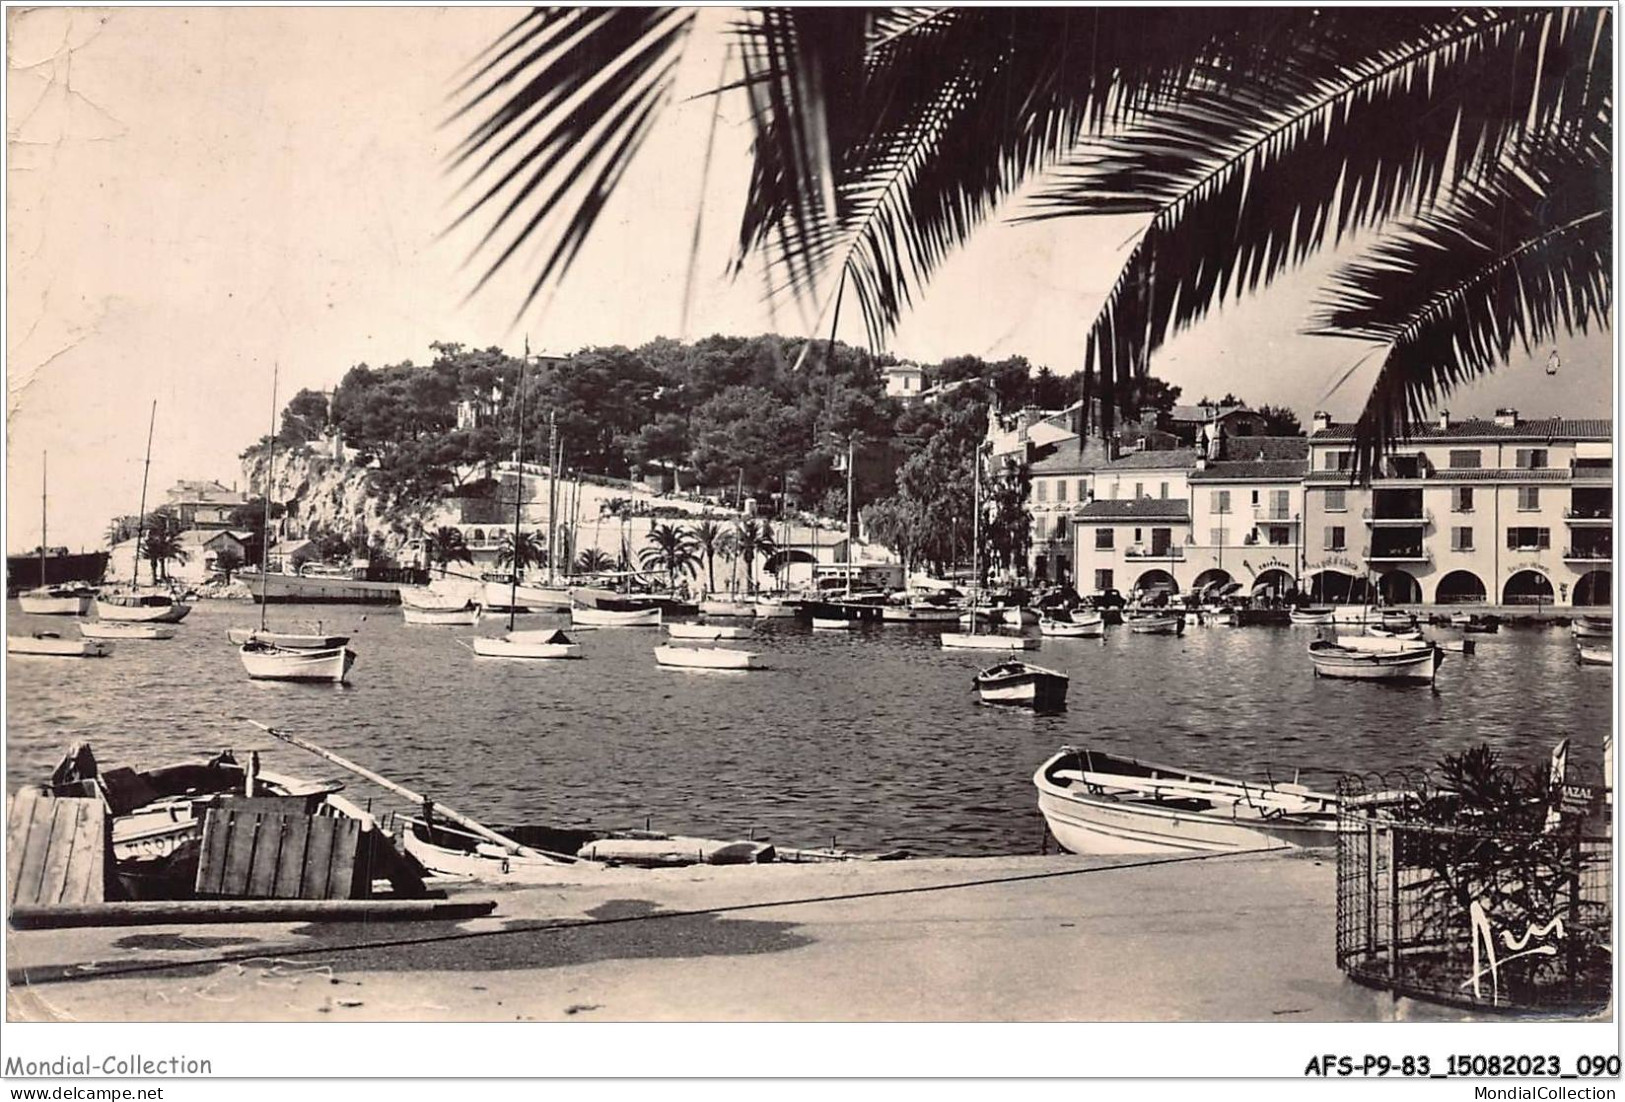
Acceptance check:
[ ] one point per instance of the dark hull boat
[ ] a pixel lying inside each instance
(1022, 684)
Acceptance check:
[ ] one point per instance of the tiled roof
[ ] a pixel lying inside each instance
(1140, 508)
(1074, 456)
(1202, 413)
(1268, 470)
(1551, 428)
(1450, 474)
(1171, 459)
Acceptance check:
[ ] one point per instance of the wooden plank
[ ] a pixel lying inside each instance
(270, 830)
(341, 869)
(291, 861)
(35, 847)
(19, 822)
(318, 853)
(212, 860)
(245, 839)
(54, 873)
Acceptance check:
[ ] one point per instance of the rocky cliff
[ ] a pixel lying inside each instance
(325, 493)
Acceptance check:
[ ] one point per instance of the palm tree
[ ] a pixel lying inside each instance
(1476, 141)
(528, 551)
(446, 545)
(711, 539)
(671, 549)
(162, 545)
(593, 561)
(751, 538)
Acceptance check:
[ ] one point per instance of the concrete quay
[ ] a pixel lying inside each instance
(1224, 938)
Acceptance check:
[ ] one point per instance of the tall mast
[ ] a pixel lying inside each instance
(849, 518)
(519, 490)
(552, 488)
(265, 514)
(141, 516)
(43, 461)
(976, 539)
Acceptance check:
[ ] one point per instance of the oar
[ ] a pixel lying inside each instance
(383, 782)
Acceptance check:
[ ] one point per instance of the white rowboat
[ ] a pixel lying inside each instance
(537, 645)
(1029, 686)
(466, 616)
(1310, 616)
(708, 658)
(1156, 625)
(962, 640)
(1095, 803)
(615, 618)
(112, 629)
(290, 640)
(1596, 656)
(821, 624)
(57, 600)
(769, 609)
(1091, 628)
(48, 644)
(719, 607)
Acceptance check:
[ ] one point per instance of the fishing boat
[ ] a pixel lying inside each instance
(707, 632)
(1381, 631)
(1155, 623)
(916, 612)
(718, 606)
(540, 644)
(821, 623)
(1101, 804)
(1595, 656)
(268, 662)
(113, 630)
(1458, 646)
(57, 600)
(973, 640)
(1013, 682)
(503, 593)
(1310, 616)
(466, 616)
(1407, 661)
(437, 598)
(1593, 627)
(1482, 625)
(49, 644)
(1090, 626)
(615, 618)
(708, 658)
(150, 606)
(159, 820)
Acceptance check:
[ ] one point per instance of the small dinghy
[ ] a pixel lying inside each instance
(1022, 684)
(1097, 803)
(269, 662)
(974, 640)
(1090, 627)
(1484, 625)
(289, 640)
(1592, 627)
(48, 644)
(1373, 659)
(708, 633)
(540, 644)
(114, 630)
(708, 658)
(615, 618)
(1310, 616)
(1596, 656)
(467, 615)
(1155, 624)
(769, 609)
(821, 623)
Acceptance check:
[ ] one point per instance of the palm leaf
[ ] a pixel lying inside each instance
(1511, 261)
(1370, 115)
(562, 105)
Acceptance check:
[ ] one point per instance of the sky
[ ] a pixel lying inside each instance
(199, 196)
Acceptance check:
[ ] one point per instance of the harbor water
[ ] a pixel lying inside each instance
(871, 739)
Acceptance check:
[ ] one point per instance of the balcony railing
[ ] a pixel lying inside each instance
(1417, 515)
(1399, 554)
(1588, 554)
(1170, 552)
(1589, 516)
(1591, 474)
(1273, 515)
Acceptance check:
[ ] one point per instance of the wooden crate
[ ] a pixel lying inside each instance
(56, 850)
(251, 852)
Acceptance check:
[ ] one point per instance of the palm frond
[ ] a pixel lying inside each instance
(1511, 261)
(1370, 115)
(933, 118)
(562, 105)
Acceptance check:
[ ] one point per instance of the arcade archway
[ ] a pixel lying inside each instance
(1398, 587)
(1528, 587)
(1460, 587)
(1594, 589)
(1333, 587)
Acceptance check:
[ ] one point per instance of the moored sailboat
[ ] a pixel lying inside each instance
(71, 599)
(49, 644)
(151, 606)
(540, 644)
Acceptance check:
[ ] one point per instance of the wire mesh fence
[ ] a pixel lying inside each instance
(1493, 894)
